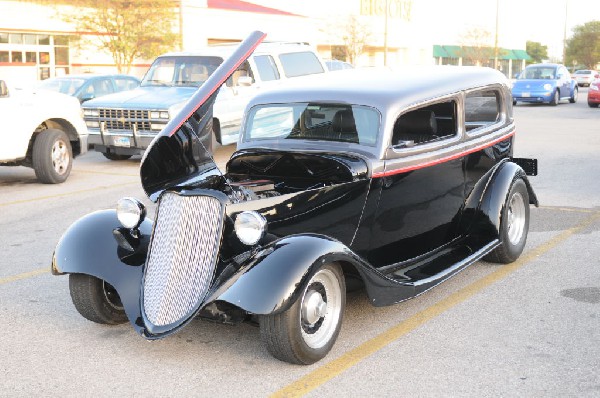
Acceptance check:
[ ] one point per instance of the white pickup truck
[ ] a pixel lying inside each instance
(42, 130)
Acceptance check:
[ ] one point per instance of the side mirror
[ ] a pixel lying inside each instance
(3, 89)
(87, 97)
(245, 81)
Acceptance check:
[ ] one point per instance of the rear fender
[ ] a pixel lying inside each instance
(496, 193)
(89, 247)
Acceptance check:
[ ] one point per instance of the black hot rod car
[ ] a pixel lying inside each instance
(371, 178)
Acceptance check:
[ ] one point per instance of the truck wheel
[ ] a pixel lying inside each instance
(52, 156)
(96, 300)
(114, 156)
(573, 98)
(514, 225)
(555, 98)
(305, 332)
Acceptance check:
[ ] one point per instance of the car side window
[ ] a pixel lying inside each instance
(300, 64)
(482, 108)
(124, 84)
(434, 122)
(267, 70)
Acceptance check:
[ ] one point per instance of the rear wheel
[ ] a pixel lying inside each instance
(52, 156)
(114, 156)
(573, 98)
(555, 98)
(306, 332)
(592, 105)
(514, 225)
(96, 300)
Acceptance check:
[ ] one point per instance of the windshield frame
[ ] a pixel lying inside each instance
(182, 70)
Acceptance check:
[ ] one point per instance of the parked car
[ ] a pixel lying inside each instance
(124, 124)
(87, 86)
(585, 77)
(593, 98)
(549, 83)
(42, 130)
(388, 181)
(336, 64)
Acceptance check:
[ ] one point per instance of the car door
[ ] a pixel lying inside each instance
(13, 108)
(422, 191)
(564, 82)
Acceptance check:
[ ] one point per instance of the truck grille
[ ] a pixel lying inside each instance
(182, 256)
(125, 119)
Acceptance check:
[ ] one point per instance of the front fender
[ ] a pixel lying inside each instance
(89, 247)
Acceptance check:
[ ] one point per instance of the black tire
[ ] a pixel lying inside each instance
(114, 156)
(592, 105)
(306, 332)
(514, 102)
(573, 98)
(52, 156)
(514, 225)
(555, 98)
(96, 300)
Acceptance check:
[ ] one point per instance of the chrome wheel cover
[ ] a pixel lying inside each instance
(516, 218)
(320, 310)
(60, 157)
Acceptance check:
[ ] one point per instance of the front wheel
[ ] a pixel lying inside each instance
(555, 98)
(96, 300)
(306, 332)
(573, 98)
(52, 156)
(514, 225)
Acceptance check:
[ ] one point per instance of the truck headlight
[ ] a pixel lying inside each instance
(91, 112)
(130, 212)
(250, 227)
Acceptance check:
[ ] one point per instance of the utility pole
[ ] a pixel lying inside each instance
(564, 60)
(385, 34)
(496, 37)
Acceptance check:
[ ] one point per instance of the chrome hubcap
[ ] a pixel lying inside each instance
(60, 157)
(516, 218)
(320, 310)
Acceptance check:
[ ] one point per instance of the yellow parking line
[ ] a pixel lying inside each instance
(569, 209)
(25, 275)
(336, 367)
(60, 195)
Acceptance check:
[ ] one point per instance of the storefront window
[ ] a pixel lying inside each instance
(44, 40)
(44, 58)
(30, 39)
(16, 56)
(3, 37)
(44, 73)
(61, 40)
(30, 56)
(3, 56)
(61, 55)
(15, 38)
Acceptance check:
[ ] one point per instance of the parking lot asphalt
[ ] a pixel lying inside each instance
(525, 329)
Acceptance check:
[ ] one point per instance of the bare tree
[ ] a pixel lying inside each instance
(126, 29)
(477, 46)
(355, 38)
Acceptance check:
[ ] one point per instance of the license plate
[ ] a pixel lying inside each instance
(121, 141)
(525, 95)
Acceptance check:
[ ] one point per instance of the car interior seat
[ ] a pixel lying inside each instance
(344, 126)
(416, 127)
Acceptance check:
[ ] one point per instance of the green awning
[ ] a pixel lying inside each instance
(453, 51)
(438, 51)
(522, 54)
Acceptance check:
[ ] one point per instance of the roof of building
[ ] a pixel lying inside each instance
(445, 51)
(239, 5)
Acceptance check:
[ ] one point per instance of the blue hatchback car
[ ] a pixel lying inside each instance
(544, 83)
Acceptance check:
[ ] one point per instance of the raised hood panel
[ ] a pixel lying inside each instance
(179, 155)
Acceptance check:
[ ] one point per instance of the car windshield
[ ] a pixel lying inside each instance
(60, 85)
(313, 121)
(181, 71)
(539, 72)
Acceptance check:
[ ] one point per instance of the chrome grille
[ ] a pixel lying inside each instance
(126, 119)
(124, 113)
(182, 256)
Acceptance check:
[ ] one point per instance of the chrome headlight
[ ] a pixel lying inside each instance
(250, 227)
(130, 212)
(91, 112)
(547, 86)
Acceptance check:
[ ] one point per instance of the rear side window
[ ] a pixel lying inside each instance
(434, 122)
(124, 84)
(482, 108)
(300, 64)
(267, 70)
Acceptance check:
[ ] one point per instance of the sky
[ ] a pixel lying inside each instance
(519, 20)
